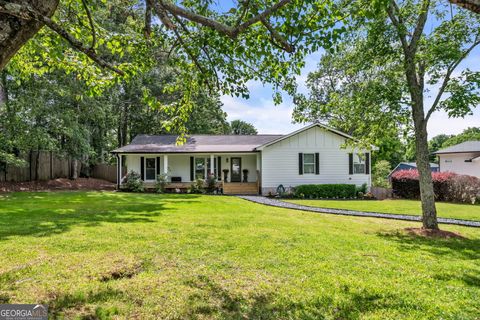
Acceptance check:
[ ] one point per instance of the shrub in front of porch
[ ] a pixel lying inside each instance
(161, 183)
(211, 183)
(133, 182)
(197, 186)
(325, 191)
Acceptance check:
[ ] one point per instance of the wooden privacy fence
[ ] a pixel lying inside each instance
(381, 193)
(107, 172)
(40, 165)
(47, 165)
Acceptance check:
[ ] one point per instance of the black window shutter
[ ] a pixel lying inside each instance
(317, 163)
(158, 165)
(367, 163)
(142, 168)
(192, 169)
(300, 163)
(350, 163)
(219, 167)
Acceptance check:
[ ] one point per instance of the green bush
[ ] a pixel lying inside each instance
(361, 190)
(333, 191)
(161, 183)
(380, 173)
(198, 186)
(133, 182)
(211, 183)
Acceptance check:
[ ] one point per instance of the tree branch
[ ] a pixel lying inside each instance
(212, 66)
(26, 12)
(219, 27)
(391, 10)
(90, 21)
(450, 70)
(283, 43)
(422, 19)
(147, 30)
(472, 5)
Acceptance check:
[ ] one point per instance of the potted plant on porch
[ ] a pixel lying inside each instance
(245, 175)
(225, 175)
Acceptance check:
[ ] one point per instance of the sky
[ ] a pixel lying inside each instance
(270, 118)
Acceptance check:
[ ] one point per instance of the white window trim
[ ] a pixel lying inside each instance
(358, 155)
(145, 171)
(309, 163)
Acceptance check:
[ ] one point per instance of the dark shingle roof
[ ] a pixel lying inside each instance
(196, 143)
(464, 147)
(413, 164)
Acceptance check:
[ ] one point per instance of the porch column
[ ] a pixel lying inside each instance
(119, 169)
(165, 163)
(212, 165)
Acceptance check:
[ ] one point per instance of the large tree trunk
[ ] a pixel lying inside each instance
(3, 89)
(15, 32)
(74, 164)
(427, 195)
(415, 81)
(125, 125)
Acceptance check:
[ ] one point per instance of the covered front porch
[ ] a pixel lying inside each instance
(237, 173)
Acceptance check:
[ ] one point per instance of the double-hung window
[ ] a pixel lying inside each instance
(308, 163)
(202, 167)
(359, 163)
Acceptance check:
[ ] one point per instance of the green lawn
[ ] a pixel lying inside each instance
(446, 210)
(146, 256)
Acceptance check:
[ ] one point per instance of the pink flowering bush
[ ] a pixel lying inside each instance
(464, 188)
(447, 186)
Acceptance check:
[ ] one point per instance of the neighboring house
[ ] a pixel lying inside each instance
(411, 166)
(463, 158)
(312, 155)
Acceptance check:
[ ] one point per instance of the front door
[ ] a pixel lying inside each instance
(150, 169)
(236, 168)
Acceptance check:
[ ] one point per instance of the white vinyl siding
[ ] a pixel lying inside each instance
(280, 160)
(455, 162)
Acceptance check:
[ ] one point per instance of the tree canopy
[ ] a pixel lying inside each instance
(469, 134)
(242, 127)
(376, 82)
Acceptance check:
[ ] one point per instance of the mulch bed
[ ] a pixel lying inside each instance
(430, 233)
(58, 184)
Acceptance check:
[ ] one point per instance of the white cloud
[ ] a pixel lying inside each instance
(440, 123)
(264, 115)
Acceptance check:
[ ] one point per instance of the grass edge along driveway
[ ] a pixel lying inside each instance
(412, 207)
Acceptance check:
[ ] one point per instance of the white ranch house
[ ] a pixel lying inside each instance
(311, 155)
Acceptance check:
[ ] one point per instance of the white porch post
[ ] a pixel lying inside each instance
(212, 165)
(119, 169)
(165, 163)
(118, 175)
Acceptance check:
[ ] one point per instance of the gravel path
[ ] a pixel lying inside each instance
(407, 217)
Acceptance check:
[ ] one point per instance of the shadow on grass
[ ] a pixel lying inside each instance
(453, 248)
(212, 300)
(46, 213)
(468, 249)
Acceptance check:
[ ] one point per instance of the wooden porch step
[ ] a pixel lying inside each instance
(240, 188)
